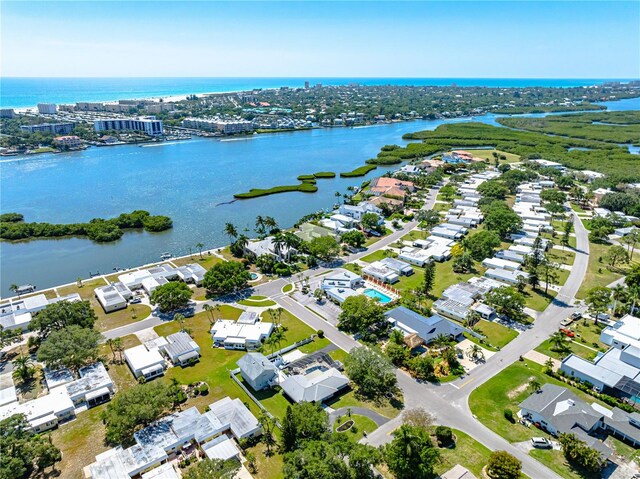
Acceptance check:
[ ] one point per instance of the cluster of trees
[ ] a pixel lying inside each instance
(540, 267)
(65, 337)
(137, 407)
(423, 366)
(364, 316)
(373, 374)
(500, 218)
(627, 202)
(580, 454)
(98, 229)
(311, 452)
(171, 296)
(507, 301)
(23, 452)
(226, 277)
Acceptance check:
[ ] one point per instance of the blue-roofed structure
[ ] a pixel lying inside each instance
(428, 329)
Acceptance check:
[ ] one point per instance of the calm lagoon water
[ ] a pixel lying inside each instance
(192, 181)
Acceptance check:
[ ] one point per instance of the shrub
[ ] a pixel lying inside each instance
(444, 435)
(203, 389)
(508, 415)
(320, 333)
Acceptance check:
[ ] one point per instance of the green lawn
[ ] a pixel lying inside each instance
(496, 334)
(590, 333)
(577, 208)
(267, 467)
(361, 423)
(377, 256)
(414, 235)
(288, 288)
(385, 407)
(579, 350)
(507, 390)
(556, 461)
(538, 299)
(488, 155)
(264, 303)
(563, 257)
(207, 261)
(598, 273)
(467, 452)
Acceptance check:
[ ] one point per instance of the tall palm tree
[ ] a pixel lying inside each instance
(618, 293)
(23, 368)
(231, 231)
(209, 310)
(179, 318)
(278, 244)
(199, 246)
(558, 342)
(260, 226)
(242, 242)
(118, 345)
(271, 224)
(113, 352)
(291, 241)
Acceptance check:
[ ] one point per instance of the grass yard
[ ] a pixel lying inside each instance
(507, 390)
(377, 256)
(589, 332)
(577, 208)
(599, 274)
(538, 299)
(267, 467)
(258, 303)
(374, 239)
(79, 440)
(578, 349)
(415, 235)
(488, 155)
(467, 452)
(361, 424)
(563, 257)
(206, 261)
(288, 288)
(556, 461)
(388, 408)
(120, 373)
(496, 334)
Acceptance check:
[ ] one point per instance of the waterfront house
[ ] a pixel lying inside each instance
(17, 313)
(111, 298)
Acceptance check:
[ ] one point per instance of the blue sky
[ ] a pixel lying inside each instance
(349, 39)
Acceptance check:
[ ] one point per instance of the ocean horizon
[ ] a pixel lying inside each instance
(23, 92)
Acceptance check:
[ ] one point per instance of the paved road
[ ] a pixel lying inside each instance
(361, 411)
(448, 402)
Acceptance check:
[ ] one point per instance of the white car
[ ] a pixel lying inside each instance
(541, 443)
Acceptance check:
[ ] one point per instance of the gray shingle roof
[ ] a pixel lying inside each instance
(254, 364)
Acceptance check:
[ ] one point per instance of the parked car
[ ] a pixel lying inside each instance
(566, 322)
(576, 315)
(135, 300)
(541, 443)
(567, 332)
(603, 317)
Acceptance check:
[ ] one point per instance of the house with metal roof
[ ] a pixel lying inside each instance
(181, 349)
(500, 263)
(315, 386)
(240, 335)
(235, 417)
(110, 297)
(165, 471)
(257, 370)
(221, 447)
(191, 273)
(410, 322)
(616, 372)
(506, 276)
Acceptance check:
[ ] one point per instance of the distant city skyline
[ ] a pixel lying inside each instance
(321, 39)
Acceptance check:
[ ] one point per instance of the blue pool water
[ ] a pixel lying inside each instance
(374, 294)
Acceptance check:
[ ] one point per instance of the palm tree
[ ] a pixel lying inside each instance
(260, 226)
(242, 242)
(271, 224)
(558, 342)
(231, 231)
(291, 241)
(179, 318)
(268, 426)
(200, 246)
(23, 368)
(534, 385)
(618, 293)
(209, 310)
(118, 345)
(549, 364)
(113, 352)
(14, 288)
(475, 352)
(278, 244)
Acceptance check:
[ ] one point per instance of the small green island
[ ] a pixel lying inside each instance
(307, 185)
(360, 171)
(14, 228)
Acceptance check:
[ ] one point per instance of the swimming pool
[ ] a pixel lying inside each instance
(375, 294)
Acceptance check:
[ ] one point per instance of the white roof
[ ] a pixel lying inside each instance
(45, 407)
(222, 447)
(165, 471)
(226, 328)
(139, 357)
(316, 386)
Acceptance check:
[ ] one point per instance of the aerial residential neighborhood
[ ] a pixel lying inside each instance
(320, 240)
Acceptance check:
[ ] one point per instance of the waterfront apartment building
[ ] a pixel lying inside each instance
(68, 141)
(47, 108)
(56, 128)
(89, 106)
(148, 125)
(7, 113)
(227, 127)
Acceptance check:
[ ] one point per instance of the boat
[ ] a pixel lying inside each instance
(166, 255)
